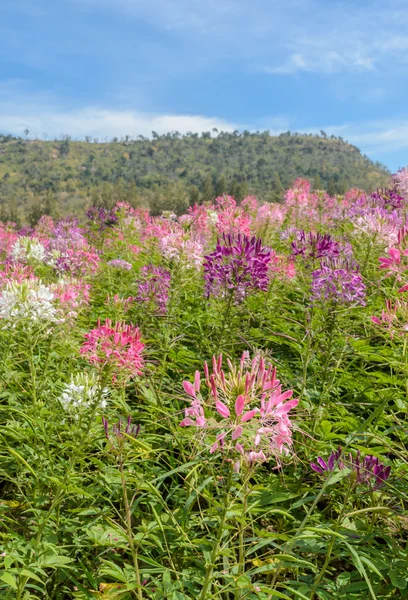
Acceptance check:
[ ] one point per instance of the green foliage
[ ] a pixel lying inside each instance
(158, 516)
(147, 172)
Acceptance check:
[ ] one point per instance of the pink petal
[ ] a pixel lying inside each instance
(404, 288)
(395, 254)
(222, 409)
(197, 381)
(201, 422)
(189, 388)
(239, 405)
(237, 433)
(283, 409)
(214, 447)
(237, 466)
(187, 422)
(249, 414)
(239, 448)
(376, 320)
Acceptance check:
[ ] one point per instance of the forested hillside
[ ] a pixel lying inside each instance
(171, 171)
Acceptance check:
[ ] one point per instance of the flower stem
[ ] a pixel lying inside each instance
(225, 320)
(131, 541)
(214, 554)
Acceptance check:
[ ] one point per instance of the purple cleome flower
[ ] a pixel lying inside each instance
(154, 285)
(368, 471)
(387, 198)
(338, 281)
(120, 428)
(118, 263)
(101, 217)
(239, 266)
(320, 466)
(315, 245)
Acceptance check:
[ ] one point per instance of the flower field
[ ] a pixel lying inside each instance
(210, 406)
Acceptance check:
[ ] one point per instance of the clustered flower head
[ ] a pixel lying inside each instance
(14, 272)
(387, 198)
(153, 287)
(82, 394)
(367, 471)
(120, 430)
(378, 222)
(231, 218)
(101, 217)
(117, 348)
(77, 262)
(338, 282)
(29, 302)
(183, 249)
(27, 250)
(72, 295)
(401, 182)
(246, 411)
(238, 266)
(315, 245)
(120, 264)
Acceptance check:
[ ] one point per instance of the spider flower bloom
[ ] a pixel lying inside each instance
(387, 198)
(321, 466)
(315, 245)
(115, 347)
(119, 429)
(154, 285)
(401, 182)
(101, 217)
(72, 296)
(81, 394)
(178, 247)
(245, 408)
(77, 262)
(369, 471)
(393, 263)
(238, 266)
(119, 263)
(16, 273)
(28, 250)
(338, 282)
(29, 303)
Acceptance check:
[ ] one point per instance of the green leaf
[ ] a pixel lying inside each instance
(9, 579)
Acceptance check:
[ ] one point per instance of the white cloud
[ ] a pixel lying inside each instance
(101, 122)
(375, 137)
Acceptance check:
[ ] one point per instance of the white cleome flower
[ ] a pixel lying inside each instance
(27, 301)
(81, 394)
(28, 250)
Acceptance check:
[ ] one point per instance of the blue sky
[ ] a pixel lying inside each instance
(108, 68)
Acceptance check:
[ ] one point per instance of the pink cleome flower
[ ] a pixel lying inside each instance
(115, 347)
(72, 296)
(254, 423)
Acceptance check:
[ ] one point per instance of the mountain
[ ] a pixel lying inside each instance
(172, 171)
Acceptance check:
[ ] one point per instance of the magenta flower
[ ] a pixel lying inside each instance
(115, 347)
(238, 266)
